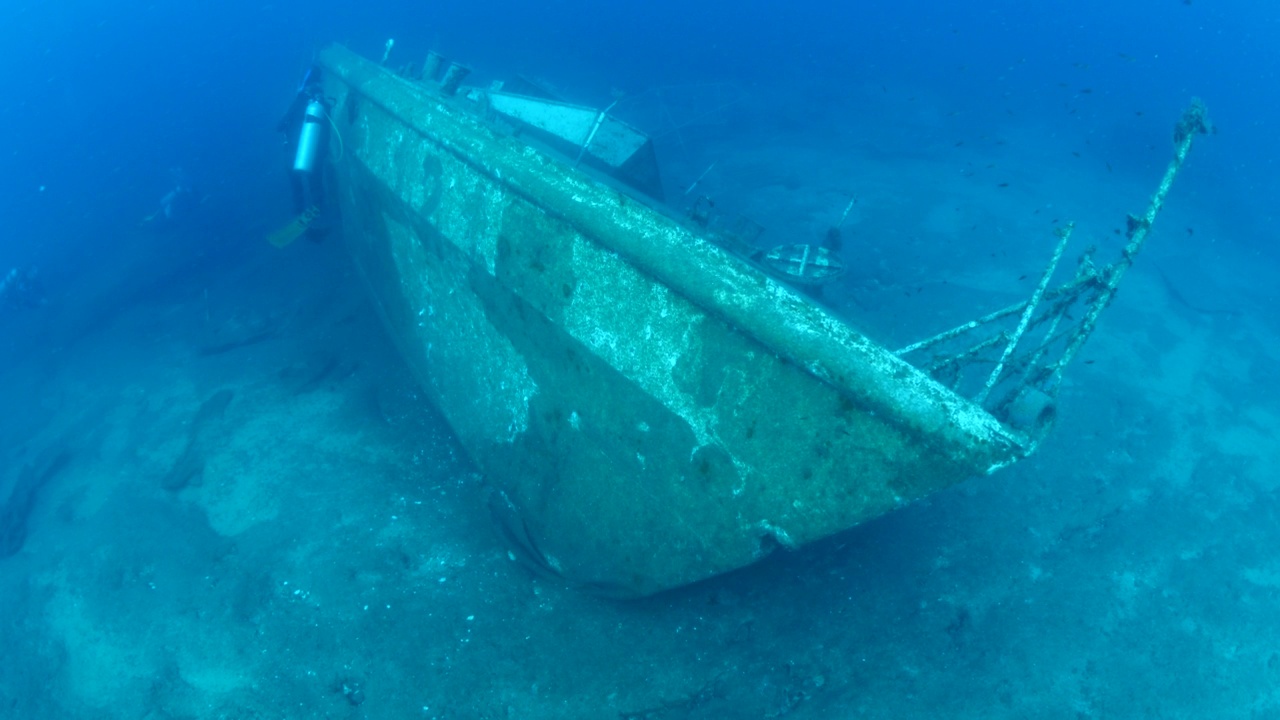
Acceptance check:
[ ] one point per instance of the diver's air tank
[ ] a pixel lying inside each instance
(309, 139)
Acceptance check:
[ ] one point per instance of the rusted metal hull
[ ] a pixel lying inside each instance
(650, 409)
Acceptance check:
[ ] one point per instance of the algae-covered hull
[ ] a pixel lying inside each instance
(650, 409)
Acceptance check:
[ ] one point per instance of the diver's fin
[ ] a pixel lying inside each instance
(295, 229)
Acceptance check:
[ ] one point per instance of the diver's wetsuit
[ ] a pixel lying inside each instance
(308, 188)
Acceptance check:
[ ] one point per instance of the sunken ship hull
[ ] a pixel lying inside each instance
(650, 409)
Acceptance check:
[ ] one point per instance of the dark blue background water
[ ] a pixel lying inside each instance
(103, 98)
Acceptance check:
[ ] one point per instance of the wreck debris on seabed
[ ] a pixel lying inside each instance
(649, 395)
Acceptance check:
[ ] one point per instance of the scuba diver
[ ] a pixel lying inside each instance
(179, 203)
(305, 126)
(21, 288)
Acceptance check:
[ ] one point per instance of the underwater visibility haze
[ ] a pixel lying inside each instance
(590, 360)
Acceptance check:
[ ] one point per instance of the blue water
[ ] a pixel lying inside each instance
(112, 95)
(253, 559)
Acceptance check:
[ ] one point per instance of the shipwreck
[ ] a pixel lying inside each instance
(651, 401)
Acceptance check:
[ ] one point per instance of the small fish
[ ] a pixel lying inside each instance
(1003, 185)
